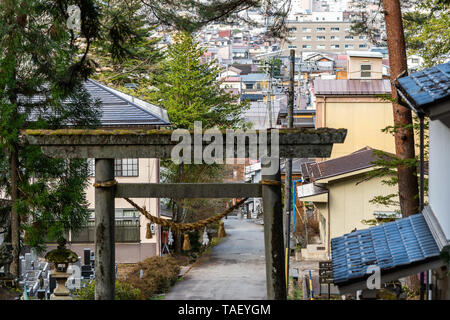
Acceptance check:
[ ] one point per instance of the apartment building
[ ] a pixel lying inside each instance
(327, 36)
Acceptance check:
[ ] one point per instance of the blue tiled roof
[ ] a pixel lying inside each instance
(428, 86)
(388, 246)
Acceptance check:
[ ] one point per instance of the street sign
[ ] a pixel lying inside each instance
(325, 272)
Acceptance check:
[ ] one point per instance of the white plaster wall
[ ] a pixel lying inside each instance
(439, 175)
(148, 173)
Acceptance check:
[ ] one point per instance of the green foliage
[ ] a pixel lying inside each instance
(124, 291)
(191, 15)
(159, 274)
(427, 32)
(387, 163)
(128, 55)
(189, 91)
(273, 65)
(425, 24)
(42, 58)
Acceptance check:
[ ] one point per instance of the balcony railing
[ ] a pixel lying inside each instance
(125, 231)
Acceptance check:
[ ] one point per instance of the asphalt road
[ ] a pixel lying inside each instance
(234, 270)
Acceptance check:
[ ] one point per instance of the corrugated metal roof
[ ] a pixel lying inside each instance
(368, 54)
(310, 189)
(431, 85)
(388, 246)
(254, 77)
(351, 87)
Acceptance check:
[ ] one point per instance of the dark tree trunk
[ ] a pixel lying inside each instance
(15, 221)
(404, 137)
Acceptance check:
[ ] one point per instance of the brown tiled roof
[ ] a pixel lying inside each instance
(355, 161)
(245, 68)
(351, 87)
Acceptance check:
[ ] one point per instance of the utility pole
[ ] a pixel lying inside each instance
(288, 166)
(408, 188)
(269, 96)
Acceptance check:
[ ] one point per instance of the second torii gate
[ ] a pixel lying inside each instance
(106, 145)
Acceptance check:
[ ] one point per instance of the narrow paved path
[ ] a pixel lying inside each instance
(235, 269)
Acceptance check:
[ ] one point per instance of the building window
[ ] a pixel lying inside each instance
(334, 38)
(348, 37)
(334, 46)
(362, 37)
(366, 71)
(291, 46)
(320, 38)
(334, 29)
(306, 30)
(320, 46)
(306, 46)
(348, 46)
(320, 29)
(126, 167)
(363, 45)
(293, 29)
(91, 167)
(306, 38)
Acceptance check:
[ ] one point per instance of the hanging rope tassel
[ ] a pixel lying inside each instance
(148, 234)
(221, 232)
(186, 243)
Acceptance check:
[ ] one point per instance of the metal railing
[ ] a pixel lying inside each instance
(125, 231)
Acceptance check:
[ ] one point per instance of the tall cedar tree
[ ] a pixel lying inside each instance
(39, 72)
(42, 66)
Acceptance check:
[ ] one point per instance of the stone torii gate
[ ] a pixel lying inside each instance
(106, 145)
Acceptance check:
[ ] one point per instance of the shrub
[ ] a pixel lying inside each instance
(159, 274)
(124, 291)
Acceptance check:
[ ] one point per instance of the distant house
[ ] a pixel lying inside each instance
(120, 110)
(302, 118)
(254, 82)
(231, 84)
(225, 34)
(341, 192)
(356, 104)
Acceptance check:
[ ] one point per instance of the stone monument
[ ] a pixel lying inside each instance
(61, 257)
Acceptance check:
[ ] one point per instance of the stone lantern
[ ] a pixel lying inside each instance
(61, 257)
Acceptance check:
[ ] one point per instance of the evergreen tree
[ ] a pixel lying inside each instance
(134, 58)
(43, 63)
(188, 88)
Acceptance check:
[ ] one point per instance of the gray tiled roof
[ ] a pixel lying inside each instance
(119, 108)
